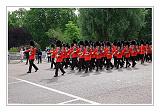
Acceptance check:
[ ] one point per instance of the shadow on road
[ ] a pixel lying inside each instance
(109, 71)
(49, 69)
(84, 75)
(129, 69)
(97, 73)
(145, 64)
(135, 68)
(55, 79)
(23, 74)
(120, 70)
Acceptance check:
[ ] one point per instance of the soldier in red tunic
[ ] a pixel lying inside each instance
(59, 59)
(98, 54)
(133, 51)
(67, 56)
(74, 55)
(127, 54)
(118, 54)
(109, 54)
(142, 51)
(93, 55)
(87, 57)
(148, 52)
(32, 53)
(81, 56)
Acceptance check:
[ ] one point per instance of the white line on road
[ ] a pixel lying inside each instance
(14, 82)
(68, 101)
(54, 90)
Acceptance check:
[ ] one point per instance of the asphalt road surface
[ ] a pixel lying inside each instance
(123, 86)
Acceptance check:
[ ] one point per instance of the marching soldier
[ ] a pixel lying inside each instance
(127, 54)
(74, 55)
(32, 54)
(81, 56)
(142, 51)
(53, 54)
(109, 53)
(119, 56)
(98, 55)
(59, 59)
(133, 51)
(87, 57)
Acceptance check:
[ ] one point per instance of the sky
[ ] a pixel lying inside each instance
(27, 8)
(16, 8)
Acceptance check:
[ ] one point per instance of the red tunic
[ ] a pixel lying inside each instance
(118, 54)
(109, 54)
(87, 56)
(53, 53)
(74, 52)
(68, 53)
(142, 49)
(148, 50)
(59, 57)
(98, 54)
(126, 53)
(81, 53)
(32, 53)
(114, 50)
(133, 52)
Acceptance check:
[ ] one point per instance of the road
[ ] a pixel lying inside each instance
(123, 86)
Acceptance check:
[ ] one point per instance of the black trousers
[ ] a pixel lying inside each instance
(98, 61)
(142, 58)
(59, 66)
(39, 59)
(115, 61)
(27, 59)
(133, 61)
(148, 57)
(127, 62)
(74, 63)
(31, 63)
(80, 63)
(119, 63)
(109, 63)
(52, 62)
(66, 62)
(88, 66)
(49, 59)
(93, 63)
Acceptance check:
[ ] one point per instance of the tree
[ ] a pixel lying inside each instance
(71, 32)
(111, 23)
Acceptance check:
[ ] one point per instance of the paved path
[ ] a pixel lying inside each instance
(124, 86)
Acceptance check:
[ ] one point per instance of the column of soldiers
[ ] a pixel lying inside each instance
(89, 56)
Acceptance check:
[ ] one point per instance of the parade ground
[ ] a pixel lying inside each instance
(123, 86)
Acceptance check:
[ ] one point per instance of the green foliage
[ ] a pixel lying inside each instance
(108, 23)
(92, 23)
(71, 32)
(16, 18)
(13, 49)
(55, 33)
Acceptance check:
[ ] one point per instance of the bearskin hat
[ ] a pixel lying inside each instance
(141, 42)
(81, 43)
(97, 43)
(119, 44)
(74, 41)
(32, 43)
(52, 45)
(58, 43)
